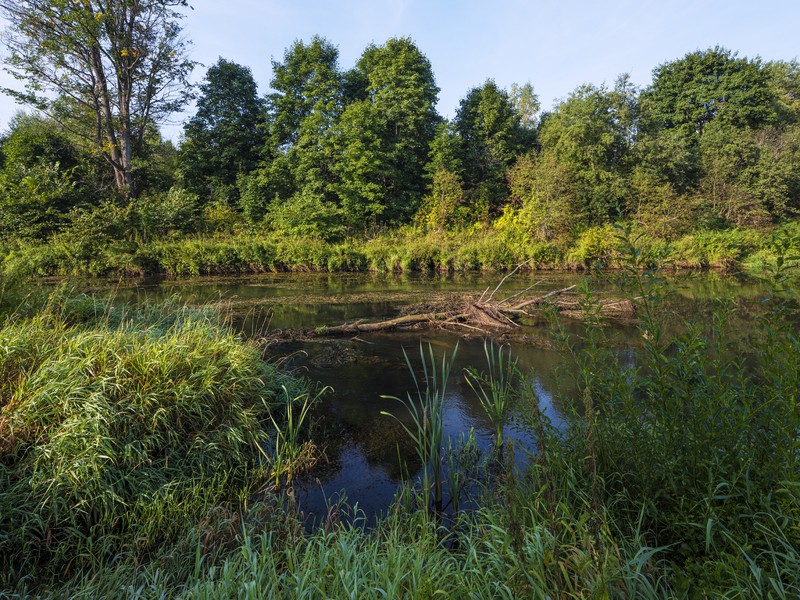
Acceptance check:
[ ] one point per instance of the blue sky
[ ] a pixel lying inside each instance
(556, 45)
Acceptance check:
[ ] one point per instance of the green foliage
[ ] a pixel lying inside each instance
(307, 102)
(307, 82)
(174, 212)
(359, 183)
(703, 86)
(595, 247)
(590, 136)
(491, 135)
(426, 430)
(725, 249)
(114, 435)
(224, 137)
(659, 209)
(673, 475)
(544, 189)
(444, 207)
(496, 387)
(306, 215)
(526, 102)
(108, 71)
(691, 435)
(42, 178)
(383, 138)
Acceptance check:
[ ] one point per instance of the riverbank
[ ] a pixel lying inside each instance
(406, 250)
(106, 402)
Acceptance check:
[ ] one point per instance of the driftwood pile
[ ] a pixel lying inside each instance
(482, 316)
(468, 314)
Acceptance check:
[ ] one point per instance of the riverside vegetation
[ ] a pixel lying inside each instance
(138, 459)
(150, 452)
(353, 169)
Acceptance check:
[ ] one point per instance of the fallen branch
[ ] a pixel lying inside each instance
(541, 299)
(404, 321)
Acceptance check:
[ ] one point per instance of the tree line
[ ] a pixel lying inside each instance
(712, 142)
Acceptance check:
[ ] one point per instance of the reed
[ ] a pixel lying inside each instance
(496, 388)
(291, 454)
(426, 410)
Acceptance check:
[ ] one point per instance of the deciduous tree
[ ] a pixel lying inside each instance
(224, 138)
(492, 136)
(106, 69)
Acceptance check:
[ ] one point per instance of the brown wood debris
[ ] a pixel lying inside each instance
(469, 315)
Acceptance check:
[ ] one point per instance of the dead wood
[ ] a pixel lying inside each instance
(478, 315)
(541, 299)
(404, 321)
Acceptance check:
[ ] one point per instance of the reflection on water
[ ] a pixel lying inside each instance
(366, 450)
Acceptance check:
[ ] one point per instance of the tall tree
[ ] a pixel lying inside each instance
(526, 101)
(106, 69)
(718, 130)
(306, 82)
(702, 86)
(301, 111)
(386, 131)
(492, 136)
(590, 134)
(224, 138)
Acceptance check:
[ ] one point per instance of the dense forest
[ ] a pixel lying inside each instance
(705, 161)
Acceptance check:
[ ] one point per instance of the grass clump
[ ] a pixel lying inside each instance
(116, 434)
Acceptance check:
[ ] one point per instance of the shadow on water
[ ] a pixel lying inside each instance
(366, 452)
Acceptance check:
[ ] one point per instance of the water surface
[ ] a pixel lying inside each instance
(365, 451)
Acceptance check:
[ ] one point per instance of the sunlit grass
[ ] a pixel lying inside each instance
(116, 435)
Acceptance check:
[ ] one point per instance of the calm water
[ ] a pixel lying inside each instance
(364, 449)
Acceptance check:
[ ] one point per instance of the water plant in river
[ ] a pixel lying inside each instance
(426, 411)
(496, 388)
(290, 454)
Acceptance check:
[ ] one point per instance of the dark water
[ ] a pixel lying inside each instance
(366, 451)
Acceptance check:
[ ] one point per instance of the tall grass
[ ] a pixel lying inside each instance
(406, 249)
(426, 410)
(291, 454)
(115, 436)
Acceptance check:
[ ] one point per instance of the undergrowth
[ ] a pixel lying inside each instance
(407, 249)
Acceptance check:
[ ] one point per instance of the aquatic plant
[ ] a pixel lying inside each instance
(289, 454)
(496, 388)
(426, 410)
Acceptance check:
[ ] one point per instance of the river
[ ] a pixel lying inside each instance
(364, 451)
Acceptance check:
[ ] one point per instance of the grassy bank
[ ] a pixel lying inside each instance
(121, 428)
(409, 249)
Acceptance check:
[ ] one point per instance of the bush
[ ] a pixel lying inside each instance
(594, 246)
(172, 213)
